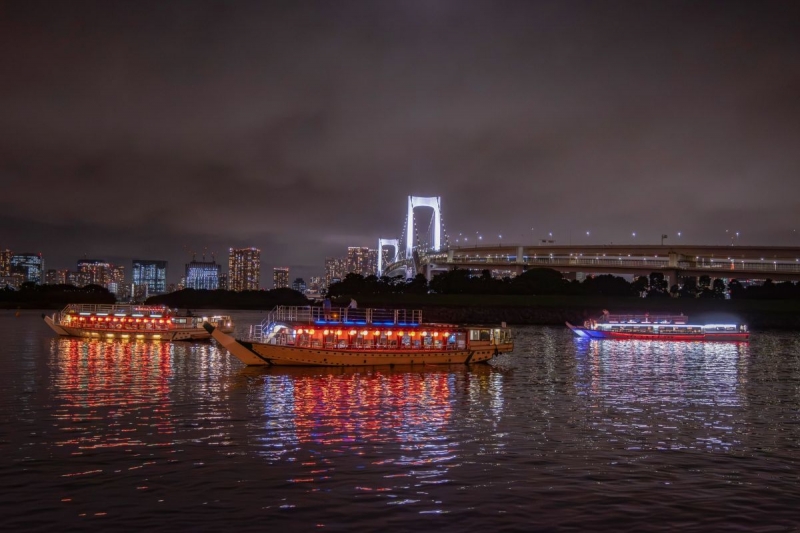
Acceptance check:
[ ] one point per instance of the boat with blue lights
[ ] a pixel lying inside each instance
(315, 336)
(658, 327)
(130, 321)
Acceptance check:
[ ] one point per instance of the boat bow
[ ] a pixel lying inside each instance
(236, 348)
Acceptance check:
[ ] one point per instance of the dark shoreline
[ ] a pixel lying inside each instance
(553, 310)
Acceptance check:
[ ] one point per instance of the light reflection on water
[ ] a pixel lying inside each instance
(663, 395)
(563, 434)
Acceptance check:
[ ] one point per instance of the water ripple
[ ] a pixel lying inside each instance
(565, 434)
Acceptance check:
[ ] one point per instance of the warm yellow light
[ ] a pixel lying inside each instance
(299, 331)
(352, 332)
(310, 331)
(376, 333)
(338, 332)
(423, 334)
(399, 333)
(411, 334)
(364, 333)
(435, 333)
(325, 331)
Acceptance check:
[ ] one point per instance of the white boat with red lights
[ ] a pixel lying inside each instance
(313, 336)
(122, 321)
(658, 327)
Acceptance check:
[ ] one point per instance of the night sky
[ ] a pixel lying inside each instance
(154, 129)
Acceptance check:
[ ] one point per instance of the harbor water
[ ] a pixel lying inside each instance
(564, 434)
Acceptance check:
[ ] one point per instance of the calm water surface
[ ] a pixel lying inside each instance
(562, 435)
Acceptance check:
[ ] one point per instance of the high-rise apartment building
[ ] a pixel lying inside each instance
(244, 269)
(149, 277)
(357, 258)
(372, 263)
(79, 279)
(299, 285)
(56, 277)
(5, 262)
(28, 264)
(96, 271)
(202, 275)
(280, 277)
(115, 283)
(334, 270)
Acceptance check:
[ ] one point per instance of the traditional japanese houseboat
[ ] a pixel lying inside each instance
(658, 327)
(314, 336)
(104, 321)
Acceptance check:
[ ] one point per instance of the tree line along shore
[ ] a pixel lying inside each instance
(539, 296)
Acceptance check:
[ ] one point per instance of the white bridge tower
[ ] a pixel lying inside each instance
(381, 244)
(434, 202)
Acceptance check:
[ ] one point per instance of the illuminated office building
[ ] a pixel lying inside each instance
(280, 277)
(244, 269)
(30, 265)
(202, 275)
(149, 277)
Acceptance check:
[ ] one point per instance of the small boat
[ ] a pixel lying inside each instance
(314, 336)
(658, 327)
(122, 321)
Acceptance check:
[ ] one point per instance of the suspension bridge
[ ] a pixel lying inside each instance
(431, 251)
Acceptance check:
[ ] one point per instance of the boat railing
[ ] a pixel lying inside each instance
(319, 316)
(644, 319)
(111, 308)
(346, 316)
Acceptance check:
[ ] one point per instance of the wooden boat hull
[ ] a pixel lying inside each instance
(263, 354)
(596, 334)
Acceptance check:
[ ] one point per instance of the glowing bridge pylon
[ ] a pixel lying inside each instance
(434, 202)
(381, 244)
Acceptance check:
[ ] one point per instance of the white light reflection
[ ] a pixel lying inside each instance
(663, 395)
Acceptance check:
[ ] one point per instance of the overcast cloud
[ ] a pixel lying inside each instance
(154, 129)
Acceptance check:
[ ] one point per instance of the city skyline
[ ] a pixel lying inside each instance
(172, 129)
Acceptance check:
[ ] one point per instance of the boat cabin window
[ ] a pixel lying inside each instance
(480, 334)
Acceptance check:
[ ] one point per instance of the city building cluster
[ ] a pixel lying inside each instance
(359, 260)
(149, 276)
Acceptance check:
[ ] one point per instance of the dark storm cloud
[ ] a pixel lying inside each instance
(159, 127)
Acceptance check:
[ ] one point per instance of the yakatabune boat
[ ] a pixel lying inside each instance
(658, 327)
(312, 336)
(132, 322)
